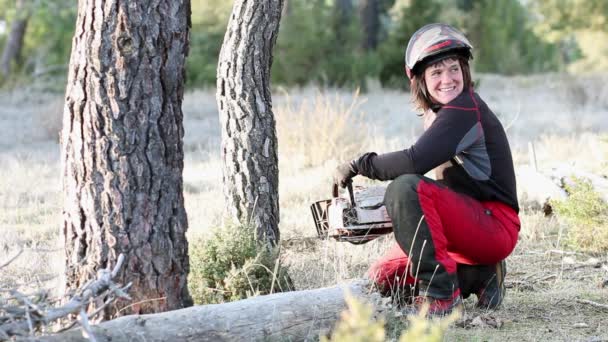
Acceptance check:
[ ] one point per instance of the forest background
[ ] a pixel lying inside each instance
(347, 42)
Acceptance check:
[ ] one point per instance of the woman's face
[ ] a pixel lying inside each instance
(444, 80)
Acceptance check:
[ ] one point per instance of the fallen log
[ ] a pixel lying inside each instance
(293, 316)
(535, 190)
(565, 175)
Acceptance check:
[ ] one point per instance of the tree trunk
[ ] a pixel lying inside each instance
(249, 141)
(122, 150)
(290, 316)
(343, 11)
(370, 21)
(14, 42)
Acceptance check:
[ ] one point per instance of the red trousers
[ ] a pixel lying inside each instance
(441, 228)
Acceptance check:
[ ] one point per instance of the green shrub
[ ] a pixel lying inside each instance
(232, 265)
(209, 22)
(318, 44)
(587, 215)
(201, 64)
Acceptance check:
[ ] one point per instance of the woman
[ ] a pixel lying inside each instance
(452, 233)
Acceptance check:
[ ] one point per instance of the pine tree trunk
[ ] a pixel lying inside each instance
(343, 11)
(370, 20)
(122, 150)
(14, 42)
(249, 141)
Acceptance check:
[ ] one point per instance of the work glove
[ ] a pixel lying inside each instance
(344, 173)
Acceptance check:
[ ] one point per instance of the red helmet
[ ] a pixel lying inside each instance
(432, 43)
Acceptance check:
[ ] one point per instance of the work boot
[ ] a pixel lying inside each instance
(494, 290)
(439, 306)
(470, 279)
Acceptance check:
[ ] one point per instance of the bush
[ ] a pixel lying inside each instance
(201, 64)
(233, 265)
(587, 214)
(319, 44)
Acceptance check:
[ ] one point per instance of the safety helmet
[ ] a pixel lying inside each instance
(432, 43)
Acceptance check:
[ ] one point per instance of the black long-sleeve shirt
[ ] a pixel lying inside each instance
(466, 144)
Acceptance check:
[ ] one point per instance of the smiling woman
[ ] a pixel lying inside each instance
(439, 224)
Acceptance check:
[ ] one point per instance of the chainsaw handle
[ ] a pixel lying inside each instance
(349, 186)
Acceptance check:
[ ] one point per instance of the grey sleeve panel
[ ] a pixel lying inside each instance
(386, 166)
(473, 154)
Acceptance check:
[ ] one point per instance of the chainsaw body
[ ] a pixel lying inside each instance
(358, 219)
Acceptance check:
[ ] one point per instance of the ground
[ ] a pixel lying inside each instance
(551, 287)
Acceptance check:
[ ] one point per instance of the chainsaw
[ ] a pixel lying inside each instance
(352, 220)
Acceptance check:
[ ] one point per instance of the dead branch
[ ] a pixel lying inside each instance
(29, 315)
(592, 303)
(11, 259)
(559, 251)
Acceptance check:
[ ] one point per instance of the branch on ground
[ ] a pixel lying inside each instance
(23, 314)
(11, 259)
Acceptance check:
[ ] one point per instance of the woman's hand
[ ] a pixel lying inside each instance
(344, 174)
(429, 117)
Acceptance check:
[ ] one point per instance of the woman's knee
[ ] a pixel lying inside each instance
(403, 187)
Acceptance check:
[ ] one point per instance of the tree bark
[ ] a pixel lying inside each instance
(122, 150)
(249, 141)
(369, 12)
(14, 42)
(343, 11)
(292, 316)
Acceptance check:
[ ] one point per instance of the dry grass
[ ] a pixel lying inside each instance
(315, 130)
(29, 220)
(320, 129)
(543, 288)
(552, 104)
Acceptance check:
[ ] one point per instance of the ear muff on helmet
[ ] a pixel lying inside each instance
(432, 43)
